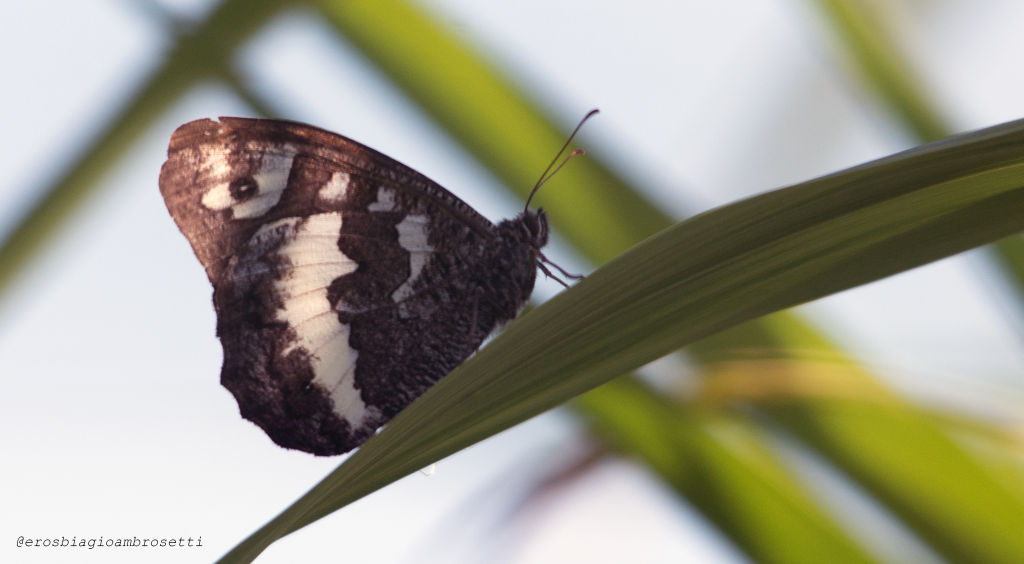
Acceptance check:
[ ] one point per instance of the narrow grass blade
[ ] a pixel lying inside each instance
(718, 269)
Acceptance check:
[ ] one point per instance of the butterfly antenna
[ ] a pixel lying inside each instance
(548, 173)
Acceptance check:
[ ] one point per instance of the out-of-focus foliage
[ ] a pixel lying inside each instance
(695, 281)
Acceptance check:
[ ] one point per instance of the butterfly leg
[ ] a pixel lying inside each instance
(541, 264)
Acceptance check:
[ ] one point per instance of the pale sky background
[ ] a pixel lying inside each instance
(113, 422)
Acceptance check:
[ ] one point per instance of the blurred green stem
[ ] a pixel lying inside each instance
(861, 29)
(202, 54)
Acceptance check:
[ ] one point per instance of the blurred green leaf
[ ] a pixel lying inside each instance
(867, 40)
(958, 506)
(969, 506)
(861, 28)
(493, 120)
(712, 457)
(201, 55)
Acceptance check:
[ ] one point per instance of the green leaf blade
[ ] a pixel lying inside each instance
(698, 277)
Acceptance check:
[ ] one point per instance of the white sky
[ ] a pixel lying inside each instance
(113, 422)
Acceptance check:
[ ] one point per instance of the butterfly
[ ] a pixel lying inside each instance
(345, 283)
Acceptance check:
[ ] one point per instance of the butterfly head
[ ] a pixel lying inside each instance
(533, 230)
(534, 225)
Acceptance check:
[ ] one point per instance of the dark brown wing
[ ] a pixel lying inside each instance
(222, 161)
(345, 283)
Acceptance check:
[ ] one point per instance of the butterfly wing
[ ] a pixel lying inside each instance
(345, 283)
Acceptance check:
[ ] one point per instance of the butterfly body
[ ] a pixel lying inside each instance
(345, 283)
